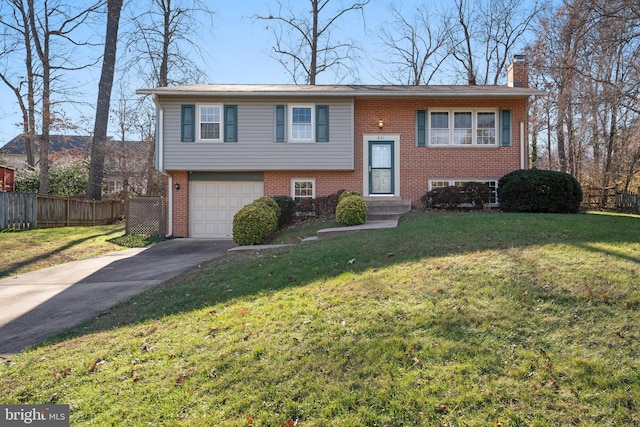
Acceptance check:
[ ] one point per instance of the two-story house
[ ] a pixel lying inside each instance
(225, 145)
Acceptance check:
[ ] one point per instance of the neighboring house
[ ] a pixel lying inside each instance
(225, 145)
(62, 148)
(7, 179)
(127, 161)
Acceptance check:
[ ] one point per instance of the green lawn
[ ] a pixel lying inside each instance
(29, 250)
(452, 319)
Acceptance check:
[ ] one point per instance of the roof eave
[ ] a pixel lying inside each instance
(402, 94)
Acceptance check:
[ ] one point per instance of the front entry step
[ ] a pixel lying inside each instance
(386, 208)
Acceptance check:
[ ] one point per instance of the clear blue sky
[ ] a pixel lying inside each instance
(236, 50)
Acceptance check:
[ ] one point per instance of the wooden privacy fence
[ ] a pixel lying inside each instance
(628, 202)
(611, 199)
(29, 210)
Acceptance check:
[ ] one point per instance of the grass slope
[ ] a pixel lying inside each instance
(451, 319)
(28, 250)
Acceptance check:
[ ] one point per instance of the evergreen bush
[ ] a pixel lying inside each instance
(287, 210)
(472, 195)
(351, 210)
(537, 190)
(254, 223)
(347, 193)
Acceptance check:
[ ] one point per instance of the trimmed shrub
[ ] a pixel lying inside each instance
(351, 210)
(271, 203)
(472, 195)
(536, 190)
(347, 193)
(254, 223)
(287, 210)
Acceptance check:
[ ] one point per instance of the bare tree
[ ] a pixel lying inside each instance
(162, 40)
(17, 40)
(488, 33)
(304, 42)
(98, 143)
(588, 51)
(415, 47)
(42, 36)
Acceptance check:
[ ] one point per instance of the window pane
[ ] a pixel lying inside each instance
(439, 134)
(439, 184)
(462, 125)
(486, 132)
(210, 122)
(439, 120)
(439, 137)
(301, 126)
(462, 120)
(303, 189)
(210, 130)
(301, 131)
(486, 120)
(302, 115)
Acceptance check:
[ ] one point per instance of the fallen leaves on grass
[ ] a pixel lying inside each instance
(181, 379)
(94, 366)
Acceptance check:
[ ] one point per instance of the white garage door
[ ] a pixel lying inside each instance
(212, 205)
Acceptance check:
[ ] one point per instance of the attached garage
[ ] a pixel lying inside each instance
(213, 203)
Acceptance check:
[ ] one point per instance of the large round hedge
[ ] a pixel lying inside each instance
(351, 210)
(536, 190)
(255, 222)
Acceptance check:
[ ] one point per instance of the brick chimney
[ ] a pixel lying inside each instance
(518, 72)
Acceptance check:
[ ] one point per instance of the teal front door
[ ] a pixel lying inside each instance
(381, 167)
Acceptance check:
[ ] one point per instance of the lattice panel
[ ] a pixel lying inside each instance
(146, 215)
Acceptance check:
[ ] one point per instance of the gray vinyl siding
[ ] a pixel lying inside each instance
(256, 148)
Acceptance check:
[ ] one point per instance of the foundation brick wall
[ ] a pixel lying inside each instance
(180, 203)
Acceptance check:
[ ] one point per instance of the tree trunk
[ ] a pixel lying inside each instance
(163, 76)
(313, 68)
(98, 144)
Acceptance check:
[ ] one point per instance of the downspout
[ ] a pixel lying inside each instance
(523, 153)
(160, 162)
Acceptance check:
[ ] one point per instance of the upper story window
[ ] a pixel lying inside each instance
(209, 129)
(462, 128)
(209, 123)
(301, 123)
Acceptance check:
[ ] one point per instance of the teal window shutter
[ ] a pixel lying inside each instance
(322, 123)
(188, 121)
(421, 128)
(505, 128)
(230, 123)
(280, 123)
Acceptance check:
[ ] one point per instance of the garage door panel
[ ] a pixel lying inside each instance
(213, 204)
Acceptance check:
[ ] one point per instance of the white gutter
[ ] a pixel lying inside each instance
(160, 161)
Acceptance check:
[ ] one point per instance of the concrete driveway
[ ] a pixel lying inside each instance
(36, 305)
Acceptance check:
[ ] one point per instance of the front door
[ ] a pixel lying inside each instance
(381, 167)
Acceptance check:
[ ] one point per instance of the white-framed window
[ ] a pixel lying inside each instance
(301, 119)
(210, 122)
(492, 184)
(486, 128)
(439, 130)
(303, 188)
(463, 127)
